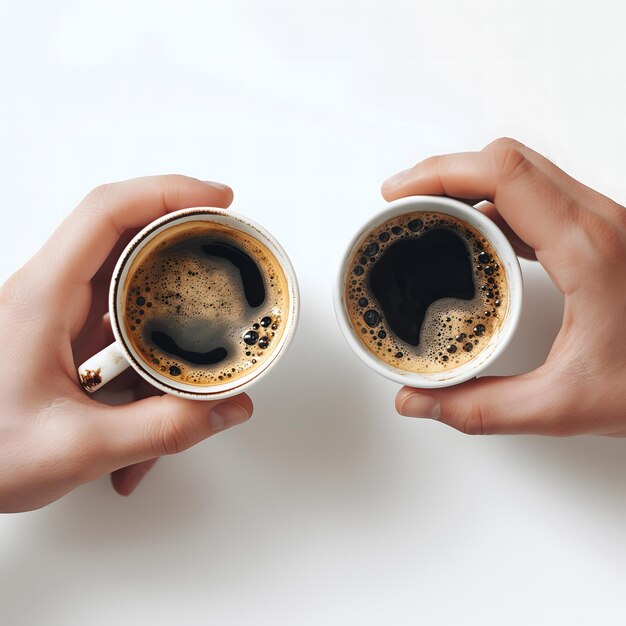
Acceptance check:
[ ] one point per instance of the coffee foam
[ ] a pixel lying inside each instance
(198, 300)
(454, 331)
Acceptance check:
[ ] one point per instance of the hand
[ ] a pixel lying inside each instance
(53, 436)
(579, 236)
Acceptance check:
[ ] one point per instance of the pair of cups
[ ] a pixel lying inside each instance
(120, 355)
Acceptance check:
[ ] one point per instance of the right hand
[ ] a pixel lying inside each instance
(579, 237)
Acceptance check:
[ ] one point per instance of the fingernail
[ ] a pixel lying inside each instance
(226, 415)
(397, 179)
(212, 183)
(420, 405)
(135, 479)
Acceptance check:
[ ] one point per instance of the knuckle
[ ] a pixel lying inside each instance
(605, 238)
(170, 191)
(617, 213)
(100, 200)
(170, 436)
(510, 159)
(98, 196)
(469, 420)
(503, 144)
(429, 164)
(172, 182)
(473, 424)
(438, 164)
(431, 161)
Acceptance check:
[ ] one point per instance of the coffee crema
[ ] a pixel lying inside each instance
(425, 292)
(205, 303)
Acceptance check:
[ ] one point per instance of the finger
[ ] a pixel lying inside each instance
(125, 480)
(84, 240)
(592, 199)
(149, 428)
(88, 303)
(95, 335)
(521, 247)
(529, 403)
(143, 389)
(530, 201)
(104, 274)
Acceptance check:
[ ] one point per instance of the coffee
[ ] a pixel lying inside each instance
(425, 292)
(205, 303)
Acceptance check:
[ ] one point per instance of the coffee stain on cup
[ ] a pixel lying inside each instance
(91, 378)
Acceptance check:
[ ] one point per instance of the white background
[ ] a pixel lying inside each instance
(327, 507)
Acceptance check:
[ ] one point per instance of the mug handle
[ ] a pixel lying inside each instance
(101, 368)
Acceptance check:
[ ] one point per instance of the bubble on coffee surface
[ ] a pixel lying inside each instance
(205, 303)
(425, 292)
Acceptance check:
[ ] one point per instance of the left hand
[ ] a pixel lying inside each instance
(53, 436)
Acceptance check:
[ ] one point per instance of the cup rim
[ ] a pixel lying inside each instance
(503, 335)
(250, 227)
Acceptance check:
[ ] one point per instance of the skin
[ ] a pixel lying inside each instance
(53, 436)
(579, 237)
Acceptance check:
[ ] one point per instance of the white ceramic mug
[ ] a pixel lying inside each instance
(114, 359)
(502, 335)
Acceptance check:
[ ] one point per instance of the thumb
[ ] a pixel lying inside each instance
(149, 428)
(491, 405)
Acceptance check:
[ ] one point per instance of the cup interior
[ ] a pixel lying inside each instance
(501, 336)
(120, 275)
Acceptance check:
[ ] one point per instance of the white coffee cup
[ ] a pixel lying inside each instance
(503, 334)
(114, 359)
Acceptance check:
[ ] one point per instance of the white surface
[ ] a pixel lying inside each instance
(327, 507)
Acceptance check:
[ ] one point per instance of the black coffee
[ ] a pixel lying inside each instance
(205, 303)
(425, 292)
